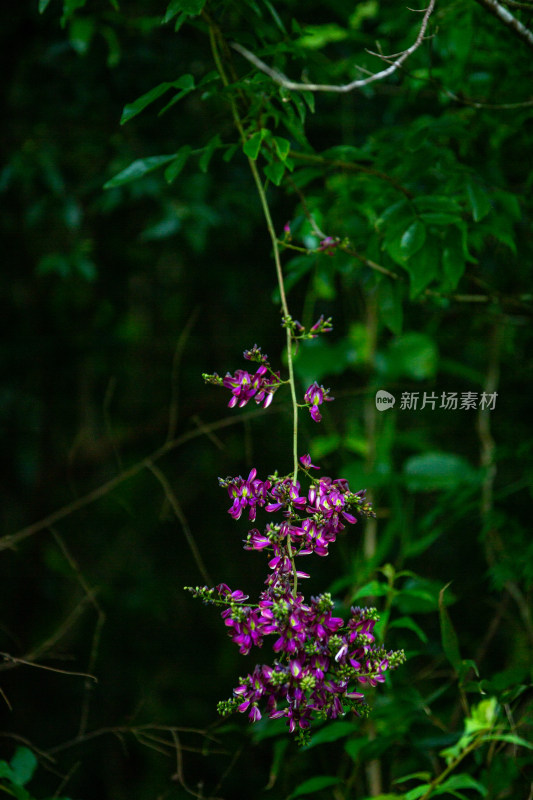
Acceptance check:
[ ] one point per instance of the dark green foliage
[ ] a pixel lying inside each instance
(116, 300)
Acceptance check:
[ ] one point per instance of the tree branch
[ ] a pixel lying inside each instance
(507, 18)
(399, 58)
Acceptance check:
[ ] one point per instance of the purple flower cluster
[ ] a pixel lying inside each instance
(321, 662)
(261, 385)
(314, 397)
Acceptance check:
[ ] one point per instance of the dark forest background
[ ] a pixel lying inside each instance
(114, 301)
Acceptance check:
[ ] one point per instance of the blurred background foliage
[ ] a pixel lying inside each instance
(114, 303)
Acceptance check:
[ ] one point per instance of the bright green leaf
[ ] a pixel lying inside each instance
(253, 144)
(462, 781)
(315, 785)
(138, 169)
(275, 172)
(417, 792)
(185, 82)
(282, 146)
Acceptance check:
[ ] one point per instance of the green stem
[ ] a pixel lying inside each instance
(213, 35)
(450, 768)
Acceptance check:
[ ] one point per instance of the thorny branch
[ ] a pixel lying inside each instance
(399, 59)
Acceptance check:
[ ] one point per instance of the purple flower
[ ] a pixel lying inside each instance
(306, 462)
(328, 245)
(314, 397)
(244, 386)
(251, 493)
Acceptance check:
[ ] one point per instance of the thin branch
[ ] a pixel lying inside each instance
(100, 621)
(174, 389)
(14, 661)
(9, 541)
(282, 80)
(508, 20)
(350, 166)
(173, 500)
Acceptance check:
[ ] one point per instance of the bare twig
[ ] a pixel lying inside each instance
(282, 79)
(174, 390)
(508, 20)
(173, 500)
(12, 660)
(9, 541)
(100, 621)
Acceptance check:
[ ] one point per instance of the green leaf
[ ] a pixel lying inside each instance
(410, 624)
(453, 258)
(373, 589)
(172, 172)
(423, 267)
(437, 470)
(315, 785)
(462, 781)
(253, 144)
(508, 737)
(190, 7)
(450, 642)
(412, 355)
(80, 34)
(210, 148)
(282, 147)
(417, 792)
(438, 204)
(279, 748)
(332, 732)
(185, 82)
(275, 172)
(43, 5)
(412, 239)
(439, 218)
(479, 200)
(390, 304)
(421, 776)
(138, 169)
(69, 7)
(23, 766)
